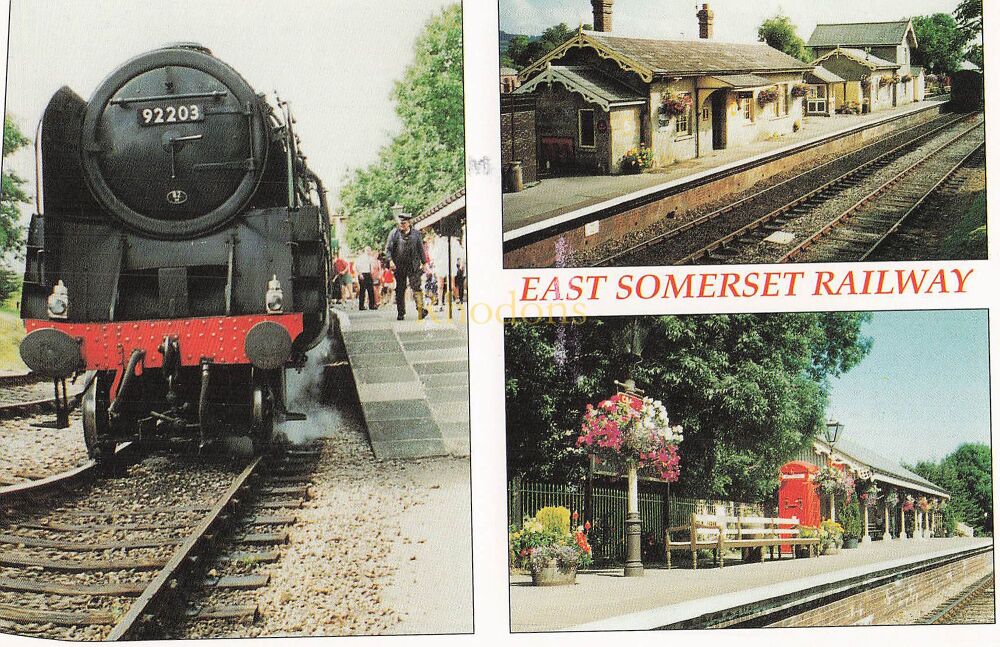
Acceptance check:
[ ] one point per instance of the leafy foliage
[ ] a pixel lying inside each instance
(851, 519)
(969, 16)
(13, 192)
(425, 163)
(522, 51)
(781, 34)
(967, 475)
(941, 42)
(10, 283)
(748, 389)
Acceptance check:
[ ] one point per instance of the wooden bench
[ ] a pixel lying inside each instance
(720, 533)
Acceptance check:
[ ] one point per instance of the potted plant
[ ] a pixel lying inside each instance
(853, 527)
(892, 499)
(831, 537)
(637, 159)
(800, 90)
(807, 532)
(549, 548)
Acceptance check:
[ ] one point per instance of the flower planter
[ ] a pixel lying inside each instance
(832, 550)
(553, 575)
(850, 542)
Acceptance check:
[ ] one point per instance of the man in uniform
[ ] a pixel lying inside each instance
(407, 258)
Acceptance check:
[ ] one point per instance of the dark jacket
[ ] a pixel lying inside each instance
(407, 252)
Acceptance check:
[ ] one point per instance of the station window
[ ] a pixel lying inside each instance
(683, 122)
(781, 103)
(588, 136)
(746, 107)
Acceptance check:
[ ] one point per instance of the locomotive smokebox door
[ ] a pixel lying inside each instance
(190, 127)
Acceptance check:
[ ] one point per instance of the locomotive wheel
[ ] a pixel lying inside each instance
(262, 429)
(96, 425)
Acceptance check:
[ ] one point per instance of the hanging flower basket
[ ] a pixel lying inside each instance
(906, 78)
(869, 494)
(766, 96)
(834, 482)
(923, 504)
(908, 503)
(892, 499)
(800, 90)
(675, 105)
(628, 431)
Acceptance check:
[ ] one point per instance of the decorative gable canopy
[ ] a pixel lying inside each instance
(651, 58)
(590, 83)
(870, 61)
(864, 34)
(821, 76)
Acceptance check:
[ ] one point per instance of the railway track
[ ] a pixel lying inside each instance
(26, 394)
(866, 224)
(974, 605)
(714, 236)
(931, 224)
(93, 554)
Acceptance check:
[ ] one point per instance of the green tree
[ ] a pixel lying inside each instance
(781, 34)
(13, 192)
(941, 42)
(425, 163)
(522, 51)
(749, 389)
(969, 15)
(967, 475)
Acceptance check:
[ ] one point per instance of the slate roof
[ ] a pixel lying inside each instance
(859, 34)
(739, 81)
(696, 57)
(821, 75)
(882, 465)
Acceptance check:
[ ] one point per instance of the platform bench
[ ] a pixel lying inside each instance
(720, 533)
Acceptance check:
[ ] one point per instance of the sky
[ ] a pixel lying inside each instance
(735, 20)
(924, 388)
(334, 61)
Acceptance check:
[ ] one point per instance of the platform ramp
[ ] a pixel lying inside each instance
(412, 380)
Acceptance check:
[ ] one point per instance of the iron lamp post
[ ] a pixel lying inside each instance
(831, 432)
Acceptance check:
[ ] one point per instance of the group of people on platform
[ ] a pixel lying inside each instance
(407, 262)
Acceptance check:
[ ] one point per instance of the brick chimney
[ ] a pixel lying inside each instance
(706, 20)
(602, 14)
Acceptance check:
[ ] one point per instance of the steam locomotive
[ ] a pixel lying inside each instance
(179, 255)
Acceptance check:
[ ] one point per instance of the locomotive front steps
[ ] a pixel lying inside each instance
(412, 381)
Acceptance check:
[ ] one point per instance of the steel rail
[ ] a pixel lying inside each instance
(169, 580)
(707, 249)
(846, 213)
(959, 600)
(909, 212)
(712, 215)
(11, 495)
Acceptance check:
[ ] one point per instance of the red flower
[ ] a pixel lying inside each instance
(576, 515)
(586, 526)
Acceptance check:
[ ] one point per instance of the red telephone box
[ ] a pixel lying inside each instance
(797, 495)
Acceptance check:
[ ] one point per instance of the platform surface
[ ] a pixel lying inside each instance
(557, 196)
(412, 379)
(605, 599)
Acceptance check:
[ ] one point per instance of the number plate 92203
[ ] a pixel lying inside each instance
(170, 114)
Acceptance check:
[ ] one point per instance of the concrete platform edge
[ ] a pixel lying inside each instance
(685, 611)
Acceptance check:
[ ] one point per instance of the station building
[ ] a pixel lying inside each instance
(600, 95)
(885, 521)
(873, 59)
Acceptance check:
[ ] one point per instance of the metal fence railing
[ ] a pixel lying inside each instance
(607, 508)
